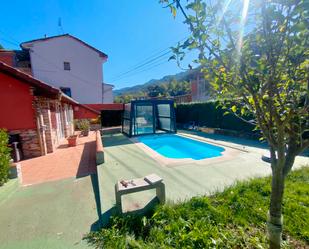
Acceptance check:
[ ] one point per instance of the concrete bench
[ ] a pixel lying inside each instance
(152, 181)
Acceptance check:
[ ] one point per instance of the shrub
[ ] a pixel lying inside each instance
(95, 120)
(82, 124)
(4, 157)
(210, 115)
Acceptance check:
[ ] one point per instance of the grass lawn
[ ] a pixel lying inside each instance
(234, 218)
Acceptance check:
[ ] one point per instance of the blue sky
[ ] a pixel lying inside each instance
(128, 31)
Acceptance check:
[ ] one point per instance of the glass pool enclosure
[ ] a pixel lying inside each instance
(149, 117)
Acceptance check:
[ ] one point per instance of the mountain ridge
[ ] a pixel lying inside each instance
(182, 76)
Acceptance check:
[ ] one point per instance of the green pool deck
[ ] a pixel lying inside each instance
(125, 160)
(56, 215)
(52, 215)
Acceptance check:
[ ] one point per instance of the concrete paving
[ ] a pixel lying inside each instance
(53, 215)
(47, 211)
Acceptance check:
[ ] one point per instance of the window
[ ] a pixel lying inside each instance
(66, 91)
(68, 114)
(66, 65)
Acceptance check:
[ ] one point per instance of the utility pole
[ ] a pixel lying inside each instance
(61, 32)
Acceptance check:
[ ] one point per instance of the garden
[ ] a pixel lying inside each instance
(254, 54)
(234, 218)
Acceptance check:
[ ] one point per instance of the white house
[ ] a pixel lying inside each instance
(72, 65)
(108, 93)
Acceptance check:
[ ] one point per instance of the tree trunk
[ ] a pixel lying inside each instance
(275, 220)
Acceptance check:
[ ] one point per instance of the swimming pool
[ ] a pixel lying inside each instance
(177, 147)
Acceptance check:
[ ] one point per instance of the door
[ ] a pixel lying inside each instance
(60, 128)
(144, 119)
(42, 136)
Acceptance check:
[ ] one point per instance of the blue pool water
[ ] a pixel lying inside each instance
(173, 146)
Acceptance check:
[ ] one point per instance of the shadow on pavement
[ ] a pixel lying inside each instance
(96, 191)
(87, 164)
(117, 139)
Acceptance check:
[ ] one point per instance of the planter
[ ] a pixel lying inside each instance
(85, 133)
(207, 130)
(72, 140)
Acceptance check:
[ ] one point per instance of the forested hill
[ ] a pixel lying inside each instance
(180, 77)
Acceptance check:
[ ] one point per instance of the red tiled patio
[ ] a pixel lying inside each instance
(65, 162)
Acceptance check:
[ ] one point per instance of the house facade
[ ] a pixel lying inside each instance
(37, 115)
(183, 98)
(108, 97)
(72, 65)
(200, 88)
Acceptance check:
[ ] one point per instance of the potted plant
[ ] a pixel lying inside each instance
(84, 127)
(72, 140)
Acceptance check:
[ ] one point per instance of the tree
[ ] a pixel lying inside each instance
(155, 91)
(255, 55)
(176, 88)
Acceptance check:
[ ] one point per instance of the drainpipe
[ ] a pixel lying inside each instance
(103, 93)
(39, 130)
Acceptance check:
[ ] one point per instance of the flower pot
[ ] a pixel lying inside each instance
(85, 133)
(72, 140)
(207, 130)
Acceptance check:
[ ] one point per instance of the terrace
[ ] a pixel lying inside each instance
(124, 159)
(52, 206)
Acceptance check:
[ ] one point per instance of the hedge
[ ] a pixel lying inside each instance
(210, 115)
(4, 157)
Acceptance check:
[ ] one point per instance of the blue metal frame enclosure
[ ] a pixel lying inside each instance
(150, 116)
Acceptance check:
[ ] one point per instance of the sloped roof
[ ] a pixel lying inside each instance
(23, 45)
(30, 80)
(108, 84)
(90, 109)
(27, 78)
(104, 107)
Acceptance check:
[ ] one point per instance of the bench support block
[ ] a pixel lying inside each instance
(141, 185)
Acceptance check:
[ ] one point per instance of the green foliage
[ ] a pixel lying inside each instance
(234, 218)
(164, 89)
(172, 88)
(82, 124)
(95, 120)
(126, 98)
(4, 157)
(259, 60)
(257, 63)
(211, 115)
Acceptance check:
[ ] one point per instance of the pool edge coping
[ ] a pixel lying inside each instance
(228, 153)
